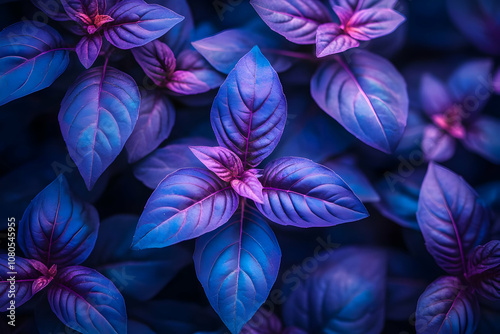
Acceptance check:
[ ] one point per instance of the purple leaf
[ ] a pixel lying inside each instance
(249, 186)
(372, 23)
(98, 114)
(434, 95)
(186, 83)
(137, 274)
(249, 112)
(223, 162)
(296, 20)
(447, 307)
(263, 322)
(155, 122)
(366, 95)
(186, 204)
(89, 8)
(437, 145)
(346, 295)
(302, 193)
(87, 302)
(163, 161)
(58, 228)
(237, 266)
(193, 62)
(224, 49)
(26, 275)
(331, 39)
(157, 61)
(88, 49)
(361, 186)
(481, 137)
(137, 23)
(52, 8)
(484, 270)
(31, 59)
(179, 36)
(357, 5)
(452, 218)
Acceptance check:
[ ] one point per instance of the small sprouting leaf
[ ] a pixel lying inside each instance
(296, 20)
(185, 205)
(23, 284)
(136, 23)
(249, 186)
(88, 49)
(345, 295)
(98, 114)
(452, 218)
(223, 162)
(447, 307)
(484, 270)
(302, 193)
(249, 112)
(366, 95)
(31, 59)
(331, 39)
(58, 228)
(156, 60)
(87, 301)
(137, 274)
(480, 137)
(155, 122)
(237, 265)
(89, 8)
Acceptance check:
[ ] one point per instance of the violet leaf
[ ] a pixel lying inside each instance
(136, 23)
(435, 97)
(437, 145)
(163, 161)
(24, 284)
(248, 186)
(194, 63)
(481, 138)
(346, 295)
(366, 95)
(223, 162)
(98, 114)
(331, 39)
(88, 49)
(452, 218)
(263, 322)
(357, 5)
(156, 60)
(296, 20)
(372, 23)
(447, 307)
(237, 266)
(186, 204)
(87, 301)
(186, 83)
(484, 270)
(58, 228)
(89, 8)
(302, 193)
(52, 8)
(31, 59)
(179, 37)
(155, 122)
(249, 112)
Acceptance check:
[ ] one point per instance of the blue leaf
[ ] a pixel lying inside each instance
(452, 218)
(163, 161)
(58, 228)
(186, 204)
(88, 302)
(31, 59)
(98, 114)
(249, 112)
(224, 49)
(237, 265)
(303, 193)
(447, 307)
(155, 122)
(366, 95)
(296, 20)
(178, 37)
(484, 270)
(347, 295)
(23, 285)
(138, 274)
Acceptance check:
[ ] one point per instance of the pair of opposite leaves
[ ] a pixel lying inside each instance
(237, 256)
